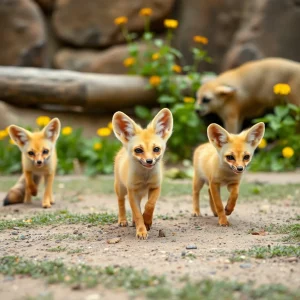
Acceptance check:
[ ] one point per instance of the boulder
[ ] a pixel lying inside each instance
(108, 61)
(217, 20)
(268, 28)
(92, 24)
(22, 35)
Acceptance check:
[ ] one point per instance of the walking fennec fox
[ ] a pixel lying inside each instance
(247, 91)
(38, 160)
(138, 166)
(222, 161)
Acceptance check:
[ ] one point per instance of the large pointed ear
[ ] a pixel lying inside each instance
(217, 135)
(123, 127)
(255, 134)
(225, 90)
(163, 123)
(19, 135)
(52, 130)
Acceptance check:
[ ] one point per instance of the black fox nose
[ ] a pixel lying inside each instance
(149, 161)
(39, 162)
(240, 168)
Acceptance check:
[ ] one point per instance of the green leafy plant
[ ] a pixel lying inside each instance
(280, 148)
(160, 62)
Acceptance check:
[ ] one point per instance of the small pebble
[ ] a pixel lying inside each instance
(16, 228)
(183, 253)
(114, 240)
(22, 237)
(15, 233)
(190, 247)
(245, 266)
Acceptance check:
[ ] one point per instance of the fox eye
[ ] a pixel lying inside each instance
(138, 150)
(247, 157)
(30, 153)
(230, 157)
(205, 99)
(45, 151)
(156, 149)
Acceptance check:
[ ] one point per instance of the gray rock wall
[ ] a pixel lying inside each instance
(81, 35)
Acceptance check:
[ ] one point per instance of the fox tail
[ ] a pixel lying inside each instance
(17, 193)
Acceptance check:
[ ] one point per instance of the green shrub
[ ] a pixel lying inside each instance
(160, 63)
(280, 148)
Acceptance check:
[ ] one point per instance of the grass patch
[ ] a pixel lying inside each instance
(292, 231)
(141, 282)
(269, 252)
(57, 249)
(75, 251)
(79, 275)
(60, 217)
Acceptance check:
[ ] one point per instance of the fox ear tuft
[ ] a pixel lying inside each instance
(163, 123)
(19, 135)
(255, 134)
(52, 130)
(123, 127)
(217, 135)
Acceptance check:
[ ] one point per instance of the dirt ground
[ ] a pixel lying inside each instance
(159, 255)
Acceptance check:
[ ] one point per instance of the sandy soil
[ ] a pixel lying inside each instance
(160, 255)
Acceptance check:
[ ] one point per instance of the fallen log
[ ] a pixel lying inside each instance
(33, 86)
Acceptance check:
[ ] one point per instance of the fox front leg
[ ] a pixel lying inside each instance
(141, 231)
(31, 187)
(47, 200)
(150, 206)
(234, 193)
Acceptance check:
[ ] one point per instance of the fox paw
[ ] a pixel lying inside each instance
(228, 211)
(46, 205)
(142, 234)
(123, 223)
(223, 223)
(33, 190)
(148, 226)
(196, 214)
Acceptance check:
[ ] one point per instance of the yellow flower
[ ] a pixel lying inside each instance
(104, 131)
(109, 125)
(287, 152)
(66, 130)
(176, 68)
(129, 61)
(121, 20)
(263, 144)
(155, 56)
(281, 89)
(170, 23)
(154, 80)
(97, 146)
(3, 134)
(42, 121)
(188, 100)
(12, 142)
(145, 12)
(200, 39)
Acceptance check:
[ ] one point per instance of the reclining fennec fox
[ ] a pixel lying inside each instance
(247, 91)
